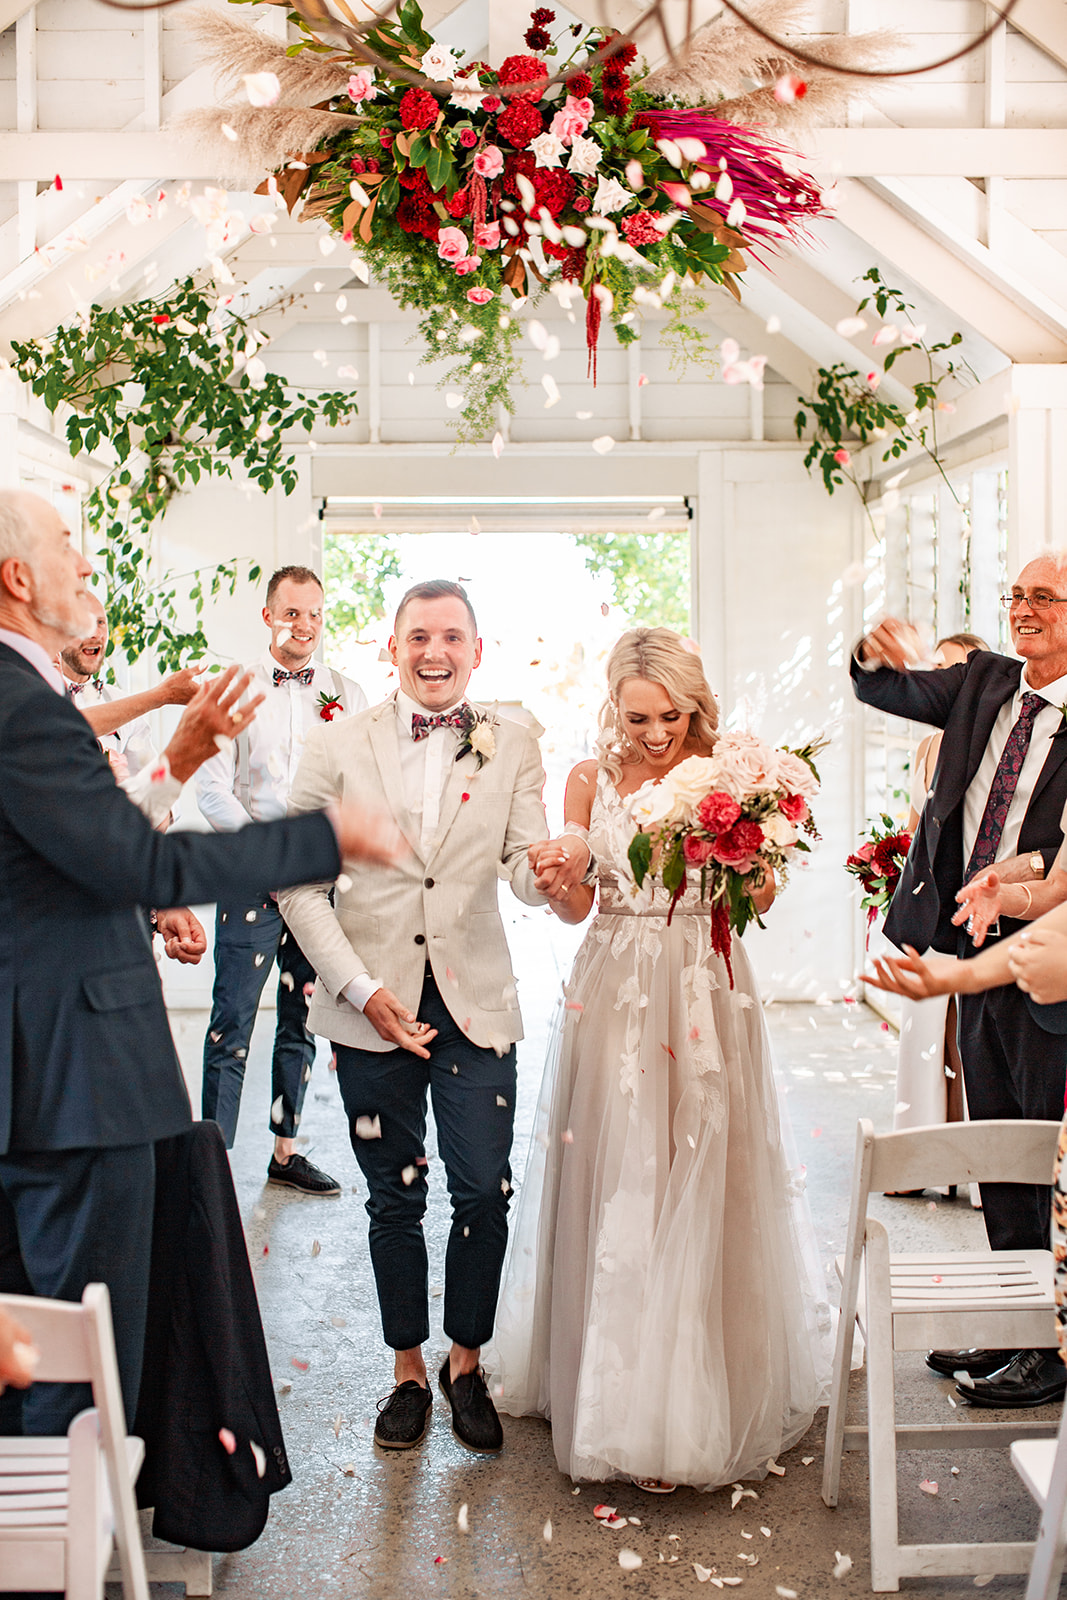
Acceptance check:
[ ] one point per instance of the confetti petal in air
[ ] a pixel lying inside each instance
(368, 1127)
(315, 1247)
(498, 445)
(789, 89)
(227, 1441)
(462, 1520)
(888, 334)
(604, 445)
(629, 1560)
(262, 88)
(774, 324)
(259, 1456)
(408, 1176)
(276, 1110)
(551, 388)
(849, 327)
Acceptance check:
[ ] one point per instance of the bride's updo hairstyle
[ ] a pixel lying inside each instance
(659, 656)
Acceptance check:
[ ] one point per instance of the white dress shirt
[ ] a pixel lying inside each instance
(275, 745)
(1046, 723)
(424, 768)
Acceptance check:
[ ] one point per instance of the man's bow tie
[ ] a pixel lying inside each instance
(74, 689)
(460, 719)
(304, 676)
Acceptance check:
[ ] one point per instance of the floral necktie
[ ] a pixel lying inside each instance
(1003, 786)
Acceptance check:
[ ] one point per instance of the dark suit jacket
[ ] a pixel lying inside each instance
(205, 1365)
(963, 700)
(86, 1055)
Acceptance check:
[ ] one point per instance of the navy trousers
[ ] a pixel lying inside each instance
(69, 1218)
(473, 1095)
(248, 939)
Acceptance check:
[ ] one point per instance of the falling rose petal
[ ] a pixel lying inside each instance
(440, 1561)
(453, 400)
(566, 1137)
(315, 1247)
(928, 1486)
(635, 174)
(843, 1565)
(602, 1513)
(551, 388)
(604, 444)
(228, 132)
(843, 458)
(368, 1127)
(678, 194)
(227, 1441)
(498, 445)
(849, 327)
(500, 1100)
(773, 325)
(703, 1573)
(789, 88)
(276, 1110)
(629, 1560)
(546, 1531)
(408, 1175)
(462, 1520)
(888, 334)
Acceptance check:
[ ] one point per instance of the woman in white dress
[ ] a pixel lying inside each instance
(663, 1302)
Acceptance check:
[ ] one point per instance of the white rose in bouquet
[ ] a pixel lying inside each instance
(795, 775)
(676, 796)
(744, 764)
(779, 830)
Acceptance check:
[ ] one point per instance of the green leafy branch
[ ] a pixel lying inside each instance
(176, 390)
(847, 409)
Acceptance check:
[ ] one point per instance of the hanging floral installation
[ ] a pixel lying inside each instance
(491, 185)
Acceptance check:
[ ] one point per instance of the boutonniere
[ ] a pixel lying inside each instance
(329, 706)
(478, 739)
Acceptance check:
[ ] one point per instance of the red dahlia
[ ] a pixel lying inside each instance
(626, 54)
(553, 188)
(542, 17)
(580, 86)
(616, 103)
(641, 229)
(418, 110)
(519, 122)
(527, 70)
(537, 38)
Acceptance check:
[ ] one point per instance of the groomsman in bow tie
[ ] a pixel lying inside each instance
(416, 990)
(252, 781)
(997, 796)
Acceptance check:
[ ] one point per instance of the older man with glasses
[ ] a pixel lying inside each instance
(997, 797)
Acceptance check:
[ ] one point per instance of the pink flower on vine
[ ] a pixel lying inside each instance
(452, 244)
(489, 163)
(479, 296)
(468, 265)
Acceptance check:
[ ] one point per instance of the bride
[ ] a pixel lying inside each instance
(663, 1302)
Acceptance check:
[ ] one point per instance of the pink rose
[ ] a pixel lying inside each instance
(793, 807)
(452, 244)
(572, 121)
(492, 104)
(865, 851)
(843, 458)
(361, 86)
(718, 811)
(745, 764)
(487, 235)
(697, 852)
(468, 265)
(795, 775)
(489, 163)
(468, 138)
(479, 296)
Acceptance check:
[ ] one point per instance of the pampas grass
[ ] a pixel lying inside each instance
(234, 47)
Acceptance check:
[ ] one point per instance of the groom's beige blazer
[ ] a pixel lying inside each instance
(438, 905)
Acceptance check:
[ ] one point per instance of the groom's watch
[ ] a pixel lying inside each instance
(1037, 864)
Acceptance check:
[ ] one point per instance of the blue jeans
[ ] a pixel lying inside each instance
(248, 939)
(473, 1094)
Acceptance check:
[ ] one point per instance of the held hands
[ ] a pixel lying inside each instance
(1037, 960)
(394, 1022)
(893, 644)
(981, 903)
(212, 713)
(183, 935)
(559, 865)
(913, 977)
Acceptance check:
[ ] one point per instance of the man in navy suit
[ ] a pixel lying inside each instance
(89, 1077)
(998, 795)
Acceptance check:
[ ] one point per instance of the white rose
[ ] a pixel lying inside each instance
(674, 797)
(744, 763)
(585, 157)
(483, 741)
(611, 196)
(439, 63)
(779, 830)
(546, 150)
(795, 775)
(467, 93)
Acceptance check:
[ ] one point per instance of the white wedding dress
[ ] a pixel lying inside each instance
(663, 1301)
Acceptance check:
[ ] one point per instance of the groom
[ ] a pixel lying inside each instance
(416, 990)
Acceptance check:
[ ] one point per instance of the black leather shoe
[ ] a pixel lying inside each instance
(1033, 1378)
(404, 1416)
(979, 1363)
(474, 1419)
(298, 1173)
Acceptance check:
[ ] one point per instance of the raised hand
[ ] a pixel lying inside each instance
(1037, 960)
(893, 644)
(212, 713)
(183, 935)
(981, 903)
(913, 977)
(180, 687)
(394, 1022)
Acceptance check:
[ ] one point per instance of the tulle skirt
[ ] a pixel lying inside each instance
(663, 1301)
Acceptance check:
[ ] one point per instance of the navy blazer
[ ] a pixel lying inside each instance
(963, 700)
(86, 1054)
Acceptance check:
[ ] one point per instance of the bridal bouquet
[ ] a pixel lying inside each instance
(878, 864)
(734, 816)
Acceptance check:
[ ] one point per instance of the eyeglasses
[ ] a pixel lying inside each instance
(1036, 602)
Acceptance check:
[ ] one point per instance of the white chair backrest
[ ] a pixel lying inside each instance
(1003, 1151)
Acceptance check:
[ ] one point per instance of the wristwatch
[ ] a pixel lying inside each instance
(1037, 864)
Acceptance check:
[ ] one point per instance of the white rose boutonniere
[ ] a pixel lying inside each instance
(479, 739)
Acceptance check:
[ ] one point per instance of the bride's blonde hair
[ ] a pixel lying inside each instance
(658, 656)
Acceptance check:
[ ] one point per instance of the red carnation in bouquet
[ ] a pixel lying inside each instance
(418, 110)
(718, 811)
(520, 122)
(878, 864)
(528, 71)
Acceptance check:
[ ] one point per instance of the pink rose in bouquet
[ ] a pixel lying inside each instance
(718, 811)
(468, 265)
(796, 775)
(489, 163)
(452, 244)
(487, 235)
(793, 807)
(697, 852)
(745, 763)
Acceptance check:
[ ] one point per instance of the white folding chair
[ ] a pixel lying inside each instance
(949, 1300)
(66, 1502)
(1042, 1465)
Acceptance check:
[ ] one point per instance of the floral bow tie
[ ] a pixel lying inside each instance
(460, 719)
(74, 689)
(304, 676)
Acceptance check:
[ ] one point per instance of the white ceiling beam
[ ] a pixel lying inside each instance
(1044, 22)
(12, 10)
(833, 152)
(990, 311)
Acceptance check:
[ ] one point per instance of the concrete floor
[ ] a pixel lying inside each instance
(356, 1523)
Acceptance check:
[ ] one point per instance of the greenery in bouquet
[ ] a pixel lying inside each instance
(734, 816)
(878, 864)
(556, 169)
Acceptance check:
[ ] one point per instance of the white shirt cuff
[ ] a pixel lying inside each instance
(359, 990)
(155, 798)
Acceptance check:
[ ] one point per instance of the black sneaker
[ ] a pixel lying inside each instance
(403, 1417)
(298, 1173)
(474, 1418)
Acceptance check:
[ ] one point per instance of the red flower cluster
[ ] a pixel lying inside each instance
(529, 71)
(794, 807)
(718, 811)
(553, 187)
(614, 79)
(580, 86)
(459, 205)
(415, 213)
(520, 122)
(641, 229)
(418, 110)
(736, 846)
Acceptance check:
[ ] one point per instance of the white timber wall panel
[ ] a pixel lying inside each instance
(775, 624)
(7, 78)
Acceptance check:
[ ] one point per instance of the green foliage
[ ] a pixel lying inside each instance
(847, 410)
(175, 389)
(649, 573)
(640, 856)
(357, 569)
(686, 343)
